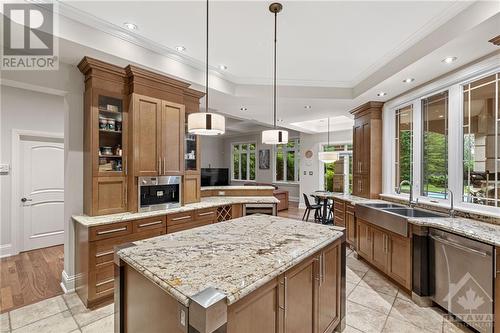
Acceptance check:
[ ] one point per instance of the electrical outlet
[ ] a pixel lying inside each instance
(310, 173)
(4, 168)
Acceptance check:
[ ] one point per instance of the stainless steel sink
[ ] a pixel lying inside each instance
(383, 205)
(390, 216)
(411, 212)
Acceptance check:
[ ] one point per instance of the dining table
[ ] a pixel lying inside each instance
(323, 198)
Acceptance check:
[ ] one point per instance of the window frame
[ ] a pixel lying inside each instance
(296, 176)
(345, 152)
(248, 150)
(455, 87)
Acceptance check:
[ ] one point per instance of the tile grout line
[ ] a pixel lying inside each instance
(387, 318)
(71, 313)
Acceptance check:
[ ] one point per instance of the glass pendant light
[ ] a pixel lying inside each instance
(206, 123)
(275, 136)
(328, 156)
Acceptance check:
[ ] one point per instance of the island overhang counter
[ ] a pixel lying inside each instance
(253, 274)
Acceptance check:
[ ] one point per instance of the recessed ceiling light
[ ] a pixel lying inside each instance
(223, 67)
(409, 80)
(130, 26)
(243, 108)
(307, 107)
(180, 48)
(449, 60)
(381, 94)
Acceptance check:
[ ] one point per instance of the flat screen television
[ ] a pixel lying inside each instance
(214, 176)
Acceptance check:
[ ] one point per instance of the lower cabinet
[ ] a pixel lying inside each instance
(305, 299)
(389, 252)
(350, 225)
(94, 254)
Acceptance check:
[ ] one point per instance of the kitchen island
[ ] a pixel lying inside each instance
(253, 274)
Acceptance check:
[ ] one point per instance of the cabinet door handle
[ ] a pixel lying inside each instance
(105, 232)
(164, 165)
(102, 254)
(284, 298)
(149, 224)
(181, 218)
(323, 262)
(159, 165)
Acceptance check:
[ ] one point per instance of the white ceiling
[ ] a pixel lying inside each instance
(323, 43)
(333, 55)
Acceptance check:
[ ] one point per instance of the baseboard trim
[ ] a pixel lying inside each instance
(5, 250)
(68, 282)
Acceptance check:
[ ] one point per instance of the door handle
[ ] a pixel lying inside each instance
(164, 165)
(26, 199)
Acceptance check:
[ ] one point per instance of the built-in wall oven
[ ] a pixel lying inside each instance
(157, 193)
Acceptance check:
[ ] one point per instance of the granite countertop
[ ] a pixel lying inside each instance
(235, 257)
(236, 187)
(481, 231)
(207, 202)
(478, 230)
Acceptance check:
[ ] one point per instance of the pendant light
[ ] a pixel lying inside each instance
(328, 156)
(206, 123)
(275, 136)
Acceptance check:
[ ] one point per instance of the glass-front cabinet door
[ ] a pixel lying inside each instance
(111, 138)
(191, 151)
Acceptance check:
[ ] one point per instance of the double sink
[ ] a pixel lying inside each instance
(392, 217)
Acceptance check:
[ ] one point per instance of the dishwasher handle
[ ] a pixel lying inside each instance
(459, 246)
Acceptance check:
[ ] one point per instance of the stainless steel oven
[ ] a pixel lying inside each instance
(157, 193)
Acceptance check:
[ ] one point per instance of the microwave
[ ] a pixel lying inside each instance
(158, 193)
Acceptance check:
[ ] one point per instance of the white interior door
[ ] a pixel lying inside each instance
(42, 192)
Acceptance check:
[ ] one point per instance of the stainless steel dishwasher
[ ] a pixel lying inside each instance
(462, 278)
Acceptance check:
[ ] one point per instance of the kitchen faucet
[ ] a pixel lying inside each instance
(451, 211)
(411, 203)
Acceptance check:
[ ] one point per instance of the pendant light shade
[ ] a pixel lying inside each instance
(206, 123)
(328, 156)
(275, 136)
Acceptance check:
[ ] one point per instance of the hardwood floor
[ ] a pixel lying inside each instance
(293, 212)
(30, 277)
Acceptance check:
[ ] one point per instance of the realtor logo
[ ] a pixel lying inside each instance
(28, 37)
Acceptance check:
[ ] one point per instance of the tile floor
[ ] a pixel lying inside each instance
(373, 305)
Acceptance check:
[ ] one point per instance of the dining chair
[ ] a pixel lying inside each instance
(309, 208)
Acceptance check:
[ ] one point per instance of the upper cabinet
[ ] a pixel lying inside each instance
(132, 114)
(367, 154)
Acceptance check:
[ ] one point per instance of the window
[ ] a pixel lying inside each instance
(287, 162)
(338, 173)
(243, 157)
(481, 141)
(403, 143)
(435, 146)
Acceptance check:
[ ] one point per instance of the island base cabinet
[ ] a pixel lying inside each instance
(308, 298)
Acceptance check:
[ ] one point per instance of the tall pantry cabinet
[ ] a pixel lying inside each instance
(367, 150)
(134, 126)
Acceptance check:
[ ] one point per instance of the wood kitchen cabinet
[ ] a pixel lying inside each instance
(350, 224)
(94, 253)
(299, 297)
(367, 153)
(192, 188)
(364, 243)
(134, 125)
(389, 252)
(329, 289)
